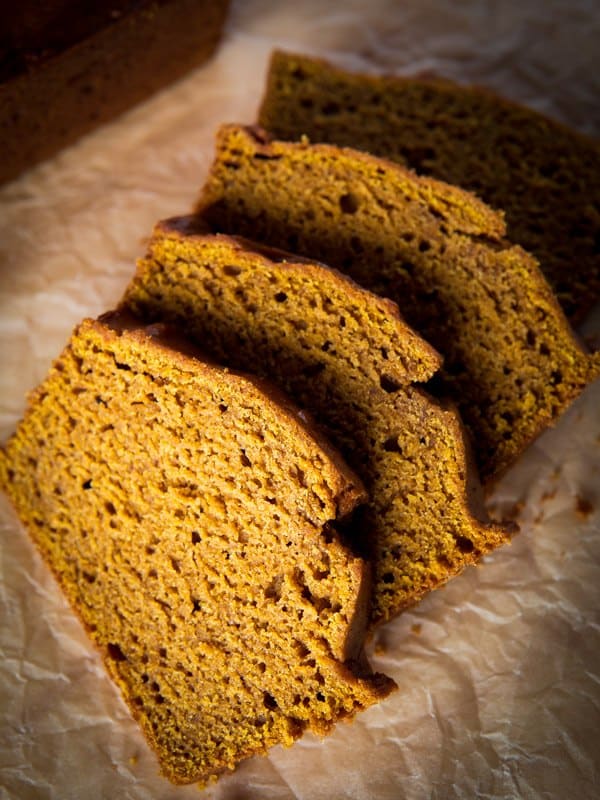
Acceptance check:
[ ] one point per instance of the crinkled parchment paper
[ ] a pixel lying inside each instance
(498, 673)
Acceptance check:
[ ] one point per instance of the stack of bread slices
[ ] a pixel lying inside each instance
(283, 436)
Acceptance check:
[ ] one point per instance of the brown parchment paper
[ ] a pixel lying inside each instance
(499, 672)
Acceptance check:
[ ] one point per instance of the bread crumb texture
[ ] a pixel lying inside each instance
(189, 519)
(346, 356)
(511, 361)
(545, 177)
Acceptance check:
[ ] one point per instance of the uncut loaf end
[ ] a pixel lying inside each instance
(68, 66)
(347, 356)
(511, 362)
(189, 515)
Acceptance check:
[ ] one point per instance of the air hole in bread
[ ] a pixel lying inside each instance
(115, 652)
(301, 649)
(388, 384)
(321, 574)
(270, 702)
(349, 203)
(464, 545)
(391, 445)
(273, 590)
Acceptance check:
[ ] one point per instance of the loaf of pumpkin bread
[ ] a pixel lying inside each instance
(67, 67)
(189, 513)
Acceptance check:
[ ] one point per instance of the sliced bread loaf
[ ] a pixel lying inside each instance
(511, 362)
(189, 515)
(545, 177)
(346, 356)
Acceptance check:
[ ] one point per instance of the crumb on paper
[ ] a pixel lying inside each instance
(549, 494)
(583, 507)
(416, 628)
(380, 648)
(515, 510)
(133, 760)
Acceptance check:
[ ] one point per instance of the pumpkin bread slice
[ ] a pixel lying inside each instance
(544, 176)
(346, 356)
(511, 361)
(189, 515)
